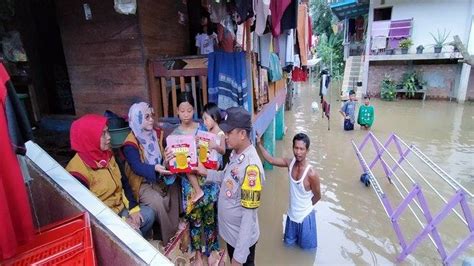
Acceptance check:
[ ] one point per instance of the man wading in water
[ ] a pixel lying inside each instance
(304, 193)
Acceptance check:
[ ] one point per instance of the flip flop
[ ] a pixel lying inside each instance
(195, 200)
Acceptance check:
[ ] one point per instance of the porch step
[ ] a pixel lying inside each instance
(352, 75)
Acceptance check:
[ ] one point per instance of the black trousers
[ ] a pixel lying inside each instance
(250, 259)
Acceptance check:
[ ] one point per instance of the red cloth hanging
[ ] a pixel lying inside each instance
(299, 75)
(277, 8)
(16, 224)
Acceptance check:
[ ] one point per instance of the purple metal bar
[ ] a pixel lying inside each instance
(460, 248)
(429, 227)
(362, 144)
(361, 162)
(396, 226)
(467, 213)
(409, 148)
(402, 158)
(400, 152)
(403, 205)
(434, 232)
(397, 143)
(416, 195)
(380, 153)
(470, 238)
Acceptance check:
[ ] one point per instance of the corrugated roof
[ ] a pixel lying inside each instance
(349, 8)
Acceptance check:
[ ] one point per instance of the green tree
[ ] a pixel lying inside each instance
(330, 50)
(322, 17)
(330, 44)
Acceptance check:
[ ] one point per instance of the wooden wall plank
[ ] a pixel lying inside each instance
(193, 90)
(174, 99)
(104, 75)
(106, 56)
(108, 30)
(155, 94)
(182, 84)
(163, 36)
(204, 89)
(109, 52)
(164, 93)
(161, 30)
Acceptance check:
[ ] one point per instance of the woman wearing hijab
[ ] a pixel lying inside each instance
(151, 183)
(94, 165)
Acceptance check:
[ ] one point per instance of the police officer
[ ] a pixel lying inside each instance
(240, 188)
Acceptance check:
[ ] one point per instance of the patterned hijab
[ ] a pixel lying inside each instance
(148, 139)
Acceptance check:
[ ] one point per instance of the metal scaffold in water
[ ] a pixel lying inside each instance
(397, 167)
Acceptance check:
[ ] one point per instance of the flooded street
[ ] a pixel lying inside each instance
(353, 227)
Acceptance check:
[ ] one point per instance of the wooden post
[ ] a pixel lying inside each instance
(269, 143)
(182, 84)
(154, 91)
(174, 98)
(193, 90)
(164, 98)
(204, 89)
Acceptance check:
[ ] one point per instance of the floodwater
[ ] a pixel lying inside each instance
(353, 227)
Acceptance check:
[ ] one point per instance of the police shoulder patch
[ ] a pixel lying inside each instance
(251, 187)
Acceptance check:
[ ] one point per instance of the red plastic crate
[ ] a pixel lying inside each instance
(67, 242)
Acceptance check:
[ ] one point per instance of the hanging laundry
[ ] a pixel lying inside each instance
(310, 32)
(297, 60)
(290, 47)
(262, 10)
(16, 223)
(303, 33)
(282, 42)
(275, 72)
(326, 111)
(265, 42)
(289, 19)
(254, 42)
(227, 77)
(244, 10)
(239, 36)
(286, 48)
(299, 75)
(206, 43)
(218, 11)
(282, 39)
(277, 8)
(325, 80)
(226, 35)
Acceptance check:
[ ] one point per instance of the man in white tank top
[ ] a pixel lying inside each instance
(304, 193)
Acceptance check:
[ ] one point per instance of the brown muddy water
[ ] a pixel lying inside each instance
(353, 227)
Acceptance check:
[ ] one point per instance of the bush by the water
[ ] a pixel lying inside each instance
(388, 90)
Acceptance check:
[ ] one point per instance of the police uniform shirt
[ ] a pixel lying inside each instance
(238, 225)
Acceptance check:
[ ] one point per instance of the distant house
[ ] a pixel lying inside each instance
(385, 23)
